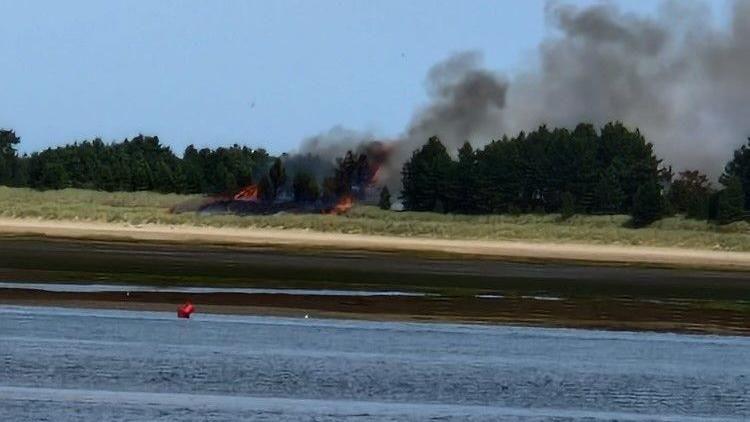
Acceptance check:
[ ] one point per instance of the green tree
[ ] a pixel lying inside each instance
(499, 176)
(730, 206)
(224, 180)
(164, 178)
(20, 172)
(385, 199)
(689, 192)
(55, 176)
(633, 159)
(140, 163)
(424, 177)
(195, 180)
(568, 205)
(648, 205)
(141, 174)
(461, 188)
(739, 167)
(8, 156)
(350, 176)
(698, 207)
(608, 193)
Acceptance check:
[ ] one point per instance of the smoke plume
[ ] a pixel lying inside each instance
(465, 104)
(684, 82)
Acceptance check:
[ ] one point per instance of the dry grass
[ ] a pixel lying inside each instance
(149, 207)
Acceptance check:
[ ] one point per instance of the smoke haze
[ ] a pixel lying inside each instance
(684, 83)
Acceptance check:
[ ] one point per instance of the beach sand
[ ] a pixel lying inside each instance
(508, 250)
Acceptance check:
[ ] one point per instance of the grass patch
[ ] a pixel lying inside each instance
(149, 207)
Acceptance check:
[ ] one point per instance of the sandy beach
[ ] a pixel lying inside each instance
(508, 250)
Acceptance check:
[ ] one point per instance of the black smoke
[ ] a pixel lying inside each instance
(682, 80)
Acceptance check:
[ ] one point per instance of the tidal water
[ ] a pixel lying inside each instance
(99, 365)
(97, 288)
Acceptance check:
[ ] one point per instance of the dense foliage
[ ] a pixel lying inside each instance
(138, 164)
(600, 172)
(690, 194)
(610, 171)
(739, 167)
(11, 172)
(350, 177)
(584, 171)
(730, 202)
(648, 204)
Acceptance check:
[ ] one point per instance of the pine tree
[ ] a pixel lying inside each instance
(608, 192)
(688, 192)
(698, 207)
(730, 206)
(424, 177)
(739, 167)
(567, 205)
(385, 199)
(55, 176)
(8, 156)
(461, 188)
(648, 205)
(164, 179)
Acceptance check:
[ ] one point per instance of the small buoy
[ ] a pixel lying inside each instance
(185, 310)
(307, 316)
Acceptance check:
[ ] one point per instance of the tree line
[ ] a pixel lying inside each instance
(610, 171)
(137, 164)
(144, 164)
(613, 170)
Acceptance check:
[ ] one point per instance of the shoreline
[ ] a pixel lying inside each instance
(677, 317)
(504, 283)
(269, 311)
(681, 258)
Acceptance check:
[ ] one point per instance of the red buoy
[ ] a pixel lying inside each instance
(185, 310)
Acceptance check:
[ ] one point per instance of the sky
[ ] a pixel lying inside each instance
(260, 73)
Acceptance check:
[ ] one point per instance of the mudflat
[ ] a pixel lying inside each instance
(475, 289)
(516, 250)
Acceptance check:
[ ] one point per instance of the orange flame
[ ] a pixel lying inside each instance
(248, 193)
(344, 204)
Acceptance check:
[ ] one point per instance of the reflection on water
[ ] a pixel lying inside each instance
(117, 365)
(94, 288)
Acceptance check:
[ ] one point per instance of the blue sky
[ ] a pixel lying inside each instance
(262, 73)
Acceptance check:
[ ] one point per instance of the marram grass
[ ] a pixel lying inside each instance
(149, 207)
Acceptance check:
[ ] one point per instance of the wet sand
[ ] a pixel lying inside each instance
(55, 260)
(595, 313)
(517, 250)
(458, 288)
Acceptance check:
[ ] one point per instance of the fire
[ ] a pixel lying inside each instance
(377, 154)
(248, 193)
(344, 204)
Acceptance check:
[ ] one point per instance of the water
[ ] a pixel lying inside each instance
(67, 364)
(96, 288)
